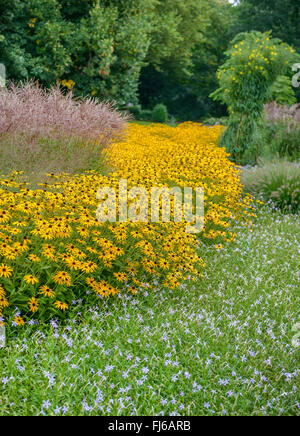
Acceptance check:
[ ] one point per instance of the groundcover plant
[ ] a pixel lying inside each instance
(221, 346)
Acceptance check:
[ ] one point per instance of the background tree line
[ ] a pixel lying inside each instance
(136, 51)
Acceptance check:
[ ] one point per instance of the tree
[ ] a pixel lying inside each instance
(282, 17)
(185, 86)
(98, 46)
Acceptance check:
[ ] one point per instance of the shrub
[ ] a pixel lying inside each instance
(211, 121)
(282, 127)
(146, 115)
(135, 111)
(277, 182)
(255, 60)
(160, 113)
(53, 250)
(47, 131)
(282, 91)
(100, 48)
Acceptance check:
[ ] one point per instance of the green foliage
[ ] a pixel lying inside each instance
(277, 182)
(282, 91)
(186, 93)
(282, 140)
(146, 115)
(135, 110)
(179, 26)
(139, 113)
(160, 113)
(99, 45)
(254, 62)
(282, 130)
(282, 17)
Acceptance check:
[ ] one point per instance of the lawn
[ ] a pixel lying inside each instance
(222, 345)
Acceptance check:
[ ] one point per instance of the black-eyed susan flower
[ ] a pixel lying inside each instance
(46, 291)
(33, 305)
(65, 213)
(30, 279)
(62, 278)
(19, 320)
(5, 271)
(34, 258)
(121, 277)
(61, 306)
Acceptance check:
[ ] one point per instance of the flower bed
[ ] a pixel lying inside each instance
(54, 251)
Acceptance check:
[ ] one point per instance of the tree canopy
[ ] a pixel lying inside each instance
(282, 17)
(152, 51)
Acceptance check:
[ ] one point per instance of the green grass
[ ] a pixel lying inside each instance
(220, 346)
(277, 182)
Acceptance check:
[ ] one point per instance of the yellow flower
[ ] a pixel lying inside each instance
(30, 279)
(121, 277)
(33, 305)
(65, 210)
(47, 292)
(4, 216)
(34, 258)
(19, 320)
(5, 271)
(62, 278)
(3, 300)
(68, 83)
(61, 306)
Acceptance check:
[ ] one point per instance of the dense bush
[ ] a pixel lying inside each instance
(50, 131)
(277, 182)
(100, 45)
(146, 115)
(160, 113)
(135, 111)
(282, 130)
(282, 91)
(53, 250)
(255, 61)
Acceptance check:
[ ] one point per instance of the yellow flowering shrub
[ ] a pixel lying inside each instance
(54, 251)
(254, 63)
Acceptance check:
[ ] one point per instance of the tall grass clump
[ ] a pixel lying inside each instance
(49, 131)
(282, 125)
(277, 182)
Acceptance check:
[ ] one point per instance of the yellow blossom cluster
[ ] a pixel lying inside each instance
(54, 251)
(255, 58)
(68, 83)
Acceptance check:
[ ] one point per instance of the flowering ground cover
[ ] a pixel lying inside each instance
(222, 345)
(53, 250)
